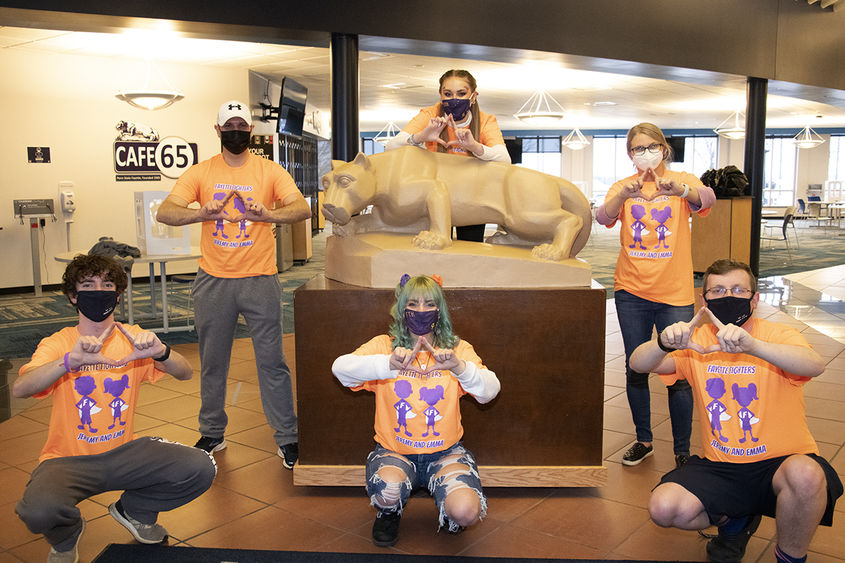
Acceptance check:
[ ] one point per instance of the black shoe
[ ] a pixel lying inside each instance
(448, 526)
(289, 454)
(386, 528)
(681, 460)
(636, 454)
(211, 445)
(726, 548)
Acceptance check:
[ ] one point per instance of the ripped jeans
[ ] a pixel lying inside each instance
(421, 471)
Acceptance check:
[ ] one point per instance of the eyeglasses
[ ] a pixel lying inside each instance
(653, 148)
(720, 291)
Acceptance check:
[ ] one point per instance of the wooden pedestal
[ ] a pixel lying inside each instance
(724, 233)
(545, 345)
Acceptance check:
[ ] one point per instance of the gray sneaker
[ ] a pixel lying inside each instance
(69, 556)
(144, 533)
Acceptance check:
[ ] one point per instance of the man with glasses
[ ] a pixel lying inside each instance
(759, 456)
(237, 274)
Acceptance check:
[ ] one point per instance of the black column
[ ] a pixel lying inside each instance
(344, 84)
(755, 149)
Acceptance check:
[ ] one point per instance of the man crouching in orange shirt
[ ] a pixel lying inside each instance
(94, 371)
(759, 456)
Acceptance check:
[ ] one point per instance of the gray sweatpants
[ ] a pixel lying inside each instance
(154, 475)
(217, 303)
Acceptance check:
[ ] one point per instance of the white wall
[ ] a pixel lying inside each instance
(67, 103)
(812, 167)
(577, 167)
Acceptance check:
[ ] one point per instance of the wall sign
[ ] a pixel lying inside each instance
(38, 155)
(139, 155)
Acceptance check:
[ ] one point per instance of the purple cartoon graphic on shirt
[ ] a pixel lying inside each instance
(218, 226)
(716, 389)
(115, 388)
(661, 216)
(240, 206)
(87, 406)
(744, 396)
(403, 408)
(432, 415)
(638, 227)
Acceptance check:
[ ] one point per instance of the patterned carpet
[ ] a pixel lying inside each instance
(25, 319)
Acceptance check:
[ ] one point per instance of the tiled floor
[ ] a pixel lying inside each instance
(253, 503)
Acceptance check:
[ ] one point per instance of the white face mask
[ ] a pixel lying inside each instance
(648, 160)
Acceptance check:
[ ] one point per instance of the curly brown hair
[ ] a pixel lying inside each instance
(86, 265)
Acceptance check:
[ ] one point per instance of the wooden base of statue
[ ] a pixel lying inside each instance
(545, 345)
(379, 259)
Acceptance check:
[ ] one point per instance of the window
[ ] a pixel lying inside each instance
(836, 165)
(779, 168)
(370, 147)
(541, 154)
(610, 163)
(700, 155)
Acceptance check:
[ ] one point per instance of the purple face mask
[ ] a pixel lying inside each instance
(421, 322)
(456, 107)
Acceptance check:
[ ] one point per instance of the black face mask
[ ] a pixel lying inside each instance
(235, 141)
(730, 309)
(96, 305)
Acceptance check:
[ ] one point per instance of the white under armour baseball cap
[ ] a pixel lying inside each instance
(233, 108)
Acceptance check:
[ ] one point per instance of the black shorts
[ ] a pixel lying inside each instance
(740, 489)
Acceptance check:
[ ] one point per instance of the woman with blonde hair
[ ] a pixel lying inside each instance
(456, 125)
(654, 279)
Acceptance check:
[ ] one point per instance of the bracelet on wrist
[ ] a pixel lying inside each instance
(67, 365)
(663, 347)
(686, 191)
(163, 357)
(411, 141)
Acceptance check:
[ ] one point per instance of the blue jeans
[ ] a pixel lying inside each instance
(637, 318)
(420, 471)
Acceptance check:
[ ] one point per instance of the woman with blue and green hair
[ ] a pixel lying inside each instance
(419, 372)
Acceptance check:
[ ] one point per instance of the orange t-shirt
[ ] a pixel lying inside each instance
(93, 409)
(245, 249)
(752, 409)
(655, 261)
(417, 414)
(488, 130)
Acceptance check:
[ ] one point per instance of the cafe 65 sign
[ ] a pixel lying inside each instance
(139, 155)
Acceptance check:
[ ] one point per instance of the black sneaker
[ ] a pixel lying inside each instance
(386, 528)
(636, 454)
(211, 445)
(289, 454)
(448, 527)
(681, 460)
(726, 548)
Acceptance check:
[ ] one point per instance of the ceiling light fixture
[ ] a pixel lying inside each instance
(387, 132)
(540, 109)
(732, 127)
(575, 140)
(150, 98)
(807, 138)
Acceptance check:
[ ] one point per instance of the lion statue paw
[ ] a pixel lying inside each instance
(547, 252)
(431, 240)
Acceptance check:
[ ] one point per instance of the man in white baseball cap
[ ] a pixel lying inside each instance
(233, 108)
(237, 272)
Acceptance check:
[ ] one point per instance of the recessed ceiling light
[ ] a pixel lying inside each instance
(599, 104)
(401, 86)
(374, 56)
